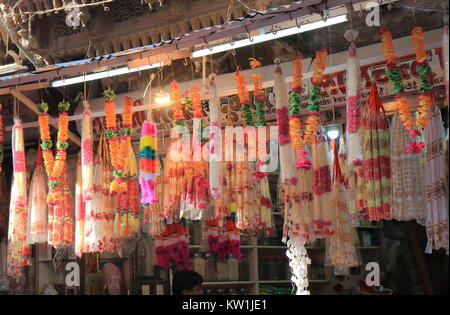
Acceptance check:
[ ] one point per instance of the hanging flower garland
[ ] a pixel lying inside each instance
(395, 77)
(244, 98)
(54, 165)
(259, 100)
(295, 104)
(312, 122)
(119, 146)
(177, 105)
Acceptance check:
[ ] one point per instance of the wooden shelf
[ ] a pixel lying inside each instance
(368, 227)
(289, 281)
(229, 283)
(242, 246)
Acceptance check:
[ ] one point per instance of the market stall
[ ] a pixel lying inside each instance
(283, 177)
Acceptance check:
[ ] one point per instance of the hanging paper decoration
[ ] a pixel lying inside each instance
(174, 183)
(353, 116)
(38, 203)
(2, 139)
(341, 251)
(395, 77)
(54, 165)
(195, 200)
(172, 247)
(18, 248)
(4, 208)
(446, 62)
(60, 215)
(104, 200)
(224, 240)
(408, 187)
(298, 258)
(215, 142)
(244, 98)
(79, 214)
(376, 154)
(436, 186)
(321, 186)
(147, 162)
(153, 212)
(126, 221)
(87, 154)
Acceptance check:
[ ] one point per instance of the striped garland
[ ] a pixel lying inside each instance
(147, 162)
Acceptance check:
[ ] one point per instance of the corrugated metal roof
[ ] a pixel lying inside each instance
(248, 22)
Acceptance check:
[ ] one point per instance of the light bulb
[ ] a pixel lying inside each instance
(162, 98)
(333, 134)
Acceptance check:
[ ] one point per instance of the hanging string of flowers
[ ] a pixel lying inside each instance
(260, 99)
(396, 79)
(312, 122)
(295, 124)
(177, 105)
(244, 98)
(119, 143)
(54, 165)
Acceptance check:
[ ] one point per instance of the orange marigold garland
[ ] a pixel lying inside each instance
(196, 102)
(426, 96)
(244, 98)
(177, 105)
(54, 165)
(119, 143)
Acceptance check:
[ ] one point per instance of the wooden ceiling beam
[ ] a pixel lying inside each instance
(26, 87)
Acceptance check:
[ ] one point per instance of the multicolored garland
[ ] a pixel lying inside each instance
(244, 98)
(426, 96)
(259, 99)
(54, 165)
(147, 162)
(119, 146)
(18, 248)
(295, 124)
(312, 122)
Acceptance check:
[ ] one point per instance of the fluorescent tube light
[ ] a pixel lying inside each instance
(270, 36)
(103, 74)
